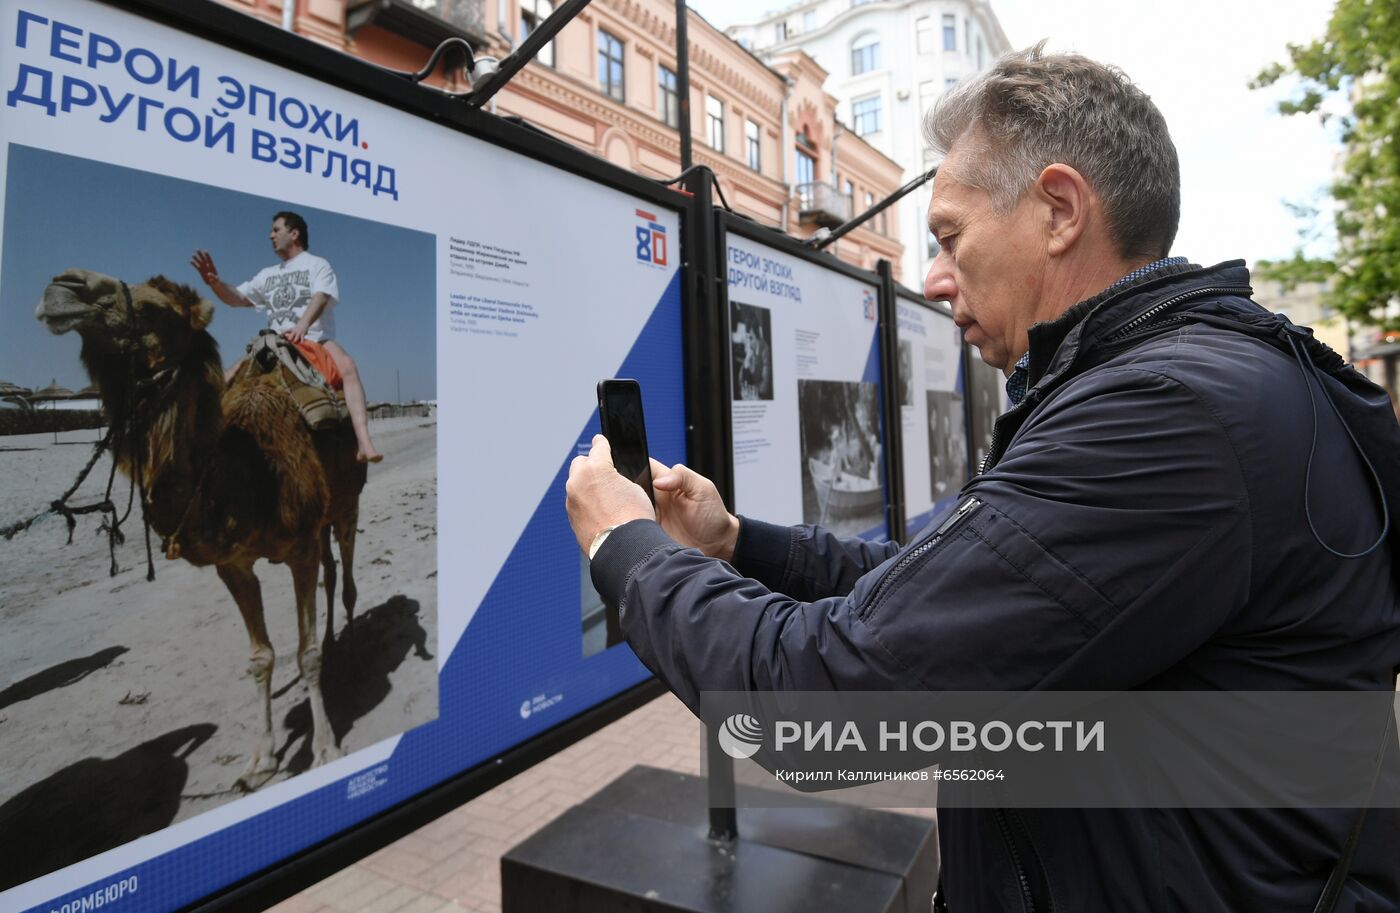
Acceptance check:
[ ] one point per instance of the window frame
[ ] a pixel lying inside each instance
(859, 118)
(668, 97)
(605, 81)
(753, 144)
(531, 9)
(865, 53)
(714, 122)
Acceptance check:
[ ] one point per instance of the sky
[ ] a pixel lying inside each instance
(63, 212)
(1240, 160)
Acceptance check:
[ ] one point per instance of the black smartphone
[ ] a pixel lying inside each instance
(620, 406)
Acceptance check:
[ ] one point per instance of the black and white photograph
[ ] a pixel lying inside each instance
(751, 351)
(985, 383)
(947, 443)
(906, 373)
(842, 481)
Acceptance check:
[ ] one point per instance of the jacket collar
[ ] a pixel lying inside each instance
(1056, 344)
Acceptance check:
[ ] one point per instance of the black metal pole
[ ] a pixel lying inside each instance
(683, 83)
(893, 404)
(522, 55)
(820, 240)
(707, 415)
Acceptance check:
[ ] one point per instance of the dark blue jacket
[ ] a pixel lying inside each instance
(1141, 524)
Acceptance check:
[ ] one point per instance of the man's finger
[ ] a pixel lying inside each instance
(602, 450)
(662, 477)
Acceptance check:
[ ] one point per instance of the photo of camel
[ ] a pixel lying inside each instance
(291, 616)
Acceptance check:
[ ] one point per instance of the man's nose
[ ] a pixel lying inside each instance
(939, 284)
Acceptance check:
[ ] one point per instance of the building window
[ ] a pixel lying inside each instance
(849, 190)
(809, 20)
(865, 112)
(714, 117)
(979, 52)
(610, 65)
(877, 223)
(928, 96)
(967, 32)
(806, 176)
(780, 31)
(923, 32)
(532, 13)
(754, 151)
(865, 53)
(670, 102)
(949, 83)
(950, 32)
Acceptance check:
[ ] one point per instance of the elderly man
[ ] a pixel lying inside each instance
(1174, 501)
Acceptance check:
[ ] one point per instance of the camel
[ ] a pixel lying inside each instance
(227, 475)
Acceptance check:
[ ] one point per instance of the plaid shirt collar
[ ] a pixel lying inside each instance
(1020, 374)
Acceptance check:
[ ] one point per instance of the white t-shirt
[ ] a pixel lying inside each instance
(284, 291)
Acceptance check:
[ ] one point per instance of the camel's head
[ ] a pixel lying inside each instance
(150, 325)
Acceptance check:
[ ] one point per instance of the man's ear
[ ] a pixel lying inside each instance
(1067, 197)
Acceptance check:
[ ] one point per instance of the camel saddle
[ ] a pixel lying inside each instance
(320, 405)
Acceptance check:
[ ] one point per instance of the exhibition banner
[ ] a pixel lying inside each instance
(987, 401)
(324, 637)
(932, 409)
(805, 382)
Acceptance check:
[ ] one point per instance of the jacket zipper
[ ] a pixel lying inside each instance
(966, 509)
(1141, 320)
(1022, 879)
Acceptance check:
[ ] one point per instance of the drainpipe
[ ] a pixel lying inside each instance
(835, 183)
(785, 151)
(289, 15)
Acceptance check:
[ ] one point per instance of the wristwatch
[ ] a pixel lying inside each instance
(598, 541)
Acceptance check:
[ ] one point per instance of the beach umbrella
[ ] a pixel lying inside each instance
(50, 393)
(88, 392)
(8, 390)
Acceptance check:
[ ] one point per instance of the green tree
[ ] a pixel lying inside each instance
(1358, 58)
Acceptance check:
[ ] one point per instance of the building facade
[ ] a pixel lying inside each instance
(607, 84)
(888, 62)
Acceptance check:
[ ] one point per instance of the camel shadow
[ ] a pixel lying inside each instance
(96, 804)
(355, 673)
(62, 675)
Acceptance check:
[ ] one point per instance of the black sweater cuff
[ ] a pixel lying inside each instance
(625, 548)
(763, 552)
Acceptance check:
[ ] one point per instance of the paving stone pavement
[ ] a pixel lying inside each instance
(453, 865)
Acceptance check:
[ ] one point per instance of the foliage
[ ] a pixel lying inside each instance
(1359, 56)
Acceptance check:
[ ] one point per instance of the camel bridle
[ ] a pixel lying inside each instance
(146, 397)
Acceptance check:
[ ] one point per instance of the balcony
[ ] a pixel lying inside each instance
(823, 204)
(425, 22)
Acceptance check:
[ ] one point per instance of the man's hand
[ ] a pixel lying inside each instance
(689, 508)
(597, 496)
(295, 334)
(204, 265)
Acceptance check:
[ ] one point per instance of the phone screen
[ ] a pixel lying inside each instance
(620, 405)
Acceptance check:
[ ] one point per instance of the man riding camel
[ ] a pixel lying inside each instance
(299, 294)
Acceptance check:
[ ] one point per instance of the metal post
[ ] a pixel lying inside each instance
(683, 83)
(891, 405)
(708, 435)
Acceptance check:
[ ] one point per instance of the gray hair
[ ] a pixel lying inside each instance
(1033, 109)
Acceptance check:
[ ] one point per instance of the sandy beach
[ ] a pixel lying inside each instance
(126, 705)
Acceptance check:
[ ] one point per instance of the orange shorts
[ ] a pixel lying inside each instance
(321, 360)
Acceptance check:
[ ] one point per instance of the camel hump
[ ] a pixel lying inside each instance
(305, 382)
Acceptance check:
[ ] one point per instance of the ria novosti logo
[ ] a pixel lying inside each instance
(741, 736)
